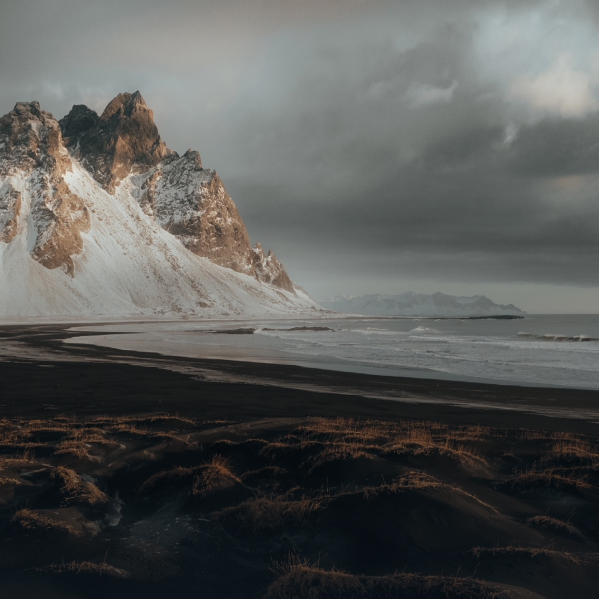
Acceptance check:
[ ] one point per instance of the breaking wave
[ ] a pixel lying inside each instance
(550, 337)
(424, 330)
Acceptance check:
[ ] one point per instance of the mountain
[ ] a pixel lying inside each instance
(99, 217)
(419, 304)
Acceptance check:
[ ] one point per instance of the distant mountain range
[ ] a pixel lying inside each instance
(419, 304)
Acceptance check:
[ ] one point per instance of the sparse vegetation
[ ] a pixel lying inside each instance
(83, 568)
(31, 520)
(298, 578)
(527, 551)
(342, 485)
(78, 490)
(267, 513)
(554, 524)
(214, 475)
(548, 477)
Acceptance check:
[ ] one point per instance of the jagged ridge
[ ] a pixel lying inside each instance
(184, 198)
(99, 222)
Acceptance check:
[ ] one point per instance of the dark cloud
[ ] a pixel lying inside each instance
(557, 147)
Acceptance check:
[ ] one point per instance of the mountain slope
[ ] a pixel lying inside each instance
(418, 304)
(82, 234)
(186, 199)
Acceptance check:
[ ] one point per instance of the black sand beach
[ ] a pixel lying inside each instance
(137, 475)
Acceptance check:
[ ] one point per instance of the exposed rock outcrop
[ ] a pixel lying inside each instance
(124, 139)
(10, 208)
(78, 121)
(32, 153)
(191, 203)
(269, 270)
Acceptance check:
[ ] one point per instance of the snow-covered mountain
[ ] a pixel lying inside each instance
(419, 304)
(99, 217)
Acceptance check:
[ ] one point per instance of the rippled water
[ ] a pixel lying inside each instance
(538, 350)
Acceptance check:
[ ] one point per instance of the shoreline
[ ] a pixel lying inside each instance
(236, 355)
(341, 391)
(499, 353)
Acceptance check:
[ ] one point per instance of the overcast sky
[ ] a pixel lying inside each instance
(374, 145)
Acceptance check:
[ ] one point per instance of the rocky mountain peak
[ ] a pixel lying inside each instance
(127, 105)
(78, 121)
(194, 157)
(30, 137)
(124, 139)
(31, 147)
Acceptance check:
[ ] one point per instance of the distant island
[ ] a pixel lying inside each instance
(419, 304)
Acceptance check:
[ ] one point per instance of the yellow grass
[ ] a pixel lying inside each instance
(527, 551)
(213, 475)
(416, 480)
(298, 578)
(82, 568)
(555, 524)
(79, 490)
(267, 513)
(7, 480)
(549, 477)
(346, 438)
(30, 520)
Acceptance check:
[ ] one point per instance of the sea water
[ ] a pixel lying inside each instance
(546, 350)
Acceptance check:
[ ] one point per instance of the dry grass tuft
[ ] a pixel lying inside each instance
(411, 481)
(214, 475)
(7, 480)
(346, 438)
(555, 524)
(550, 477)
(84, 568)
(272, 512)
(419, 481)
(298, 578)
(338, 451)
(574, 449)
(73, 447)
(30, 520)
(528, 551)
(26, 457)
(79, 490)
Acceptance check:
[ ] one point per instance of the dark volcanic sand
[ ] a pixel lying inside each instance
(250, 473)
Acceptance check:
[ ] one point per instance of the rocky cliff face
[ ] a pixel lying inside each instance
(123, 146)
(32, 154)
(191, 203)
(124, 139)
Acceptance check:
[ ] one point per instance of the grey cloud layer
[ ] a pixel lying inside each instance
(361, 137)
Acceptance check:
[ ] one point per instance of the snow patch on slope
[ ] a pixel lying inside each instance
(128, 266)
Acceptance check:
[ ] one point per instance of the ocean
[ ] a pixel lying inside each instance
(544, 350)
